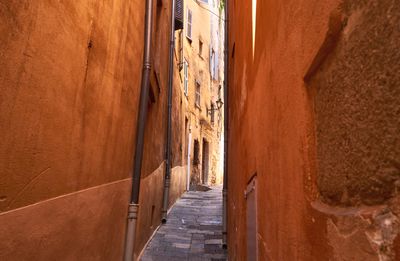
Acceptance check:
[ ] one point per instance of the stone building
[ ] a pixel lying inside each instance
(70, 74)
(314, 120)
(199, 46)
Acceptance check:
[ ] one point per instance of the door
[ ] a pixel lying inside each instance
(205, 160)
(251, 220)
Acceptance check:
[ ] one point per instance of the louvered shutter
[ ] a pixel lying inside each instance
(178, 14)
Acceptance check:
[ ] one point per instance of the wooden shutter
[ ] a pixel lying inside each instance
(178, 14)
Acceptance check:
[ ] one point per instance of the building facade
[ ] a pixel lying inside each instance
(314, 130)
(70, 75)
(199, 48)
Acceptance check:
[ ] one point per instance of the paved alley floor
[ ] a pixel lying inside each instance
(193, 230)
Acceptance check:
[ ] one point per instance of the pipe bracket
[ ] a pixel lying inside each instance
(133, 211)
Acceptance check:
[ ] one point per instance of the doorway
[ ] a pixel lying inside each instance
(251, 219)
(205, 160)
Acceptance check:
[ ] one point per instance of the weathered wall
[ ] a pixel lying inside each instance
(70, 73)
(357, 108)
(199, 70)
(317, 166)
(178, 183)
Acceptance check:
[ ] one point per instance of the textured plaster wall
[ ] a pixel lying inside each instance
(320, 69)
(62, 228)
(84, 225)
(357, 130)
(69, 89)
(358, 110)
(70, 73)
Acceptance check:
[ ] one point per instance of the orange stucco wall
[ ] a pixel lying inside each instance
(70, 75)
(272, 126)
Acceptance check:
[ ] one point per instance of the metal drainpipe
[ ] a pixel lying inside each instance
(226, 128)
(168, 164)
(141, 123)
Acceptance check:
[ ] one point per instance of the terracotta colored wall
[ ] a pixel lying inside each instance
(68, 110)
(348, 54)
(70, 73)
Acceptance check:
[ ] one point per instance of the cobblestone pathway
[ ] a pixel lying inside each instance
(193, 231)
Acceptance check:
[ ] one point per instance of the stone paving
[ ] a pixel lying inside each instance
(193, 230)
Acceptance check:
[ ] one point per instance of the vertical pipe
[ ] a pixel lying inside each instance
(168, 164)
(226, 127)
(141, 123)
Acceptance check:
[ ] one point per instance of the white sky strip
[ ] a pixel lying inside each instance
(254, 20)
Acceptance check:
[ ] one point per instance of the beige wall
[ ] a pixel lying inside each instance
(199, 70)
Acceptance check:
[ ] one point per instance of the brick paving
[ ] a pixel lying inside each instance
(193, 231)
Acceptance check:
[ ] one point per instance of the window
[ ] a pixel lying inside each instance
(200, 48)
(179, 14)
(212, 63)
(216, 65)
(189, 24)
(197, 94)
(185, 77)
(180, 46)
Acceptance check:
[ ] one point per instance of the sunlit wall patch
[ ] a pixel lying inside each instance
(254, 19)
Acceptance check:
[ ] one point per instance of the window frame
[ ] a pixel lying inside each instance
(185, 77)
(212, 63)
(189, 23)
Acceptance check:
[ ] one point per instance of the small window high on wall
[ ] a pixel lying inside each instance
(213, 64)
(178, 14)
(189, 24)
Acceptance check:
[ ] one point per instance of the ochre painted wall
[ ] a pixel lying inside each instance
(70, 74)
(343, 58)
(199, 70)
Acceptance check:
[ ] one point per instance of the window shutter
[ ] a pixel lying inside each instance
(178, 14)
(216, 66)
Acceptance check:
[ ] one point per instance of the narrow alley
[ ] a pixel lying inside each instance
(193, 231)
(168, 130)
